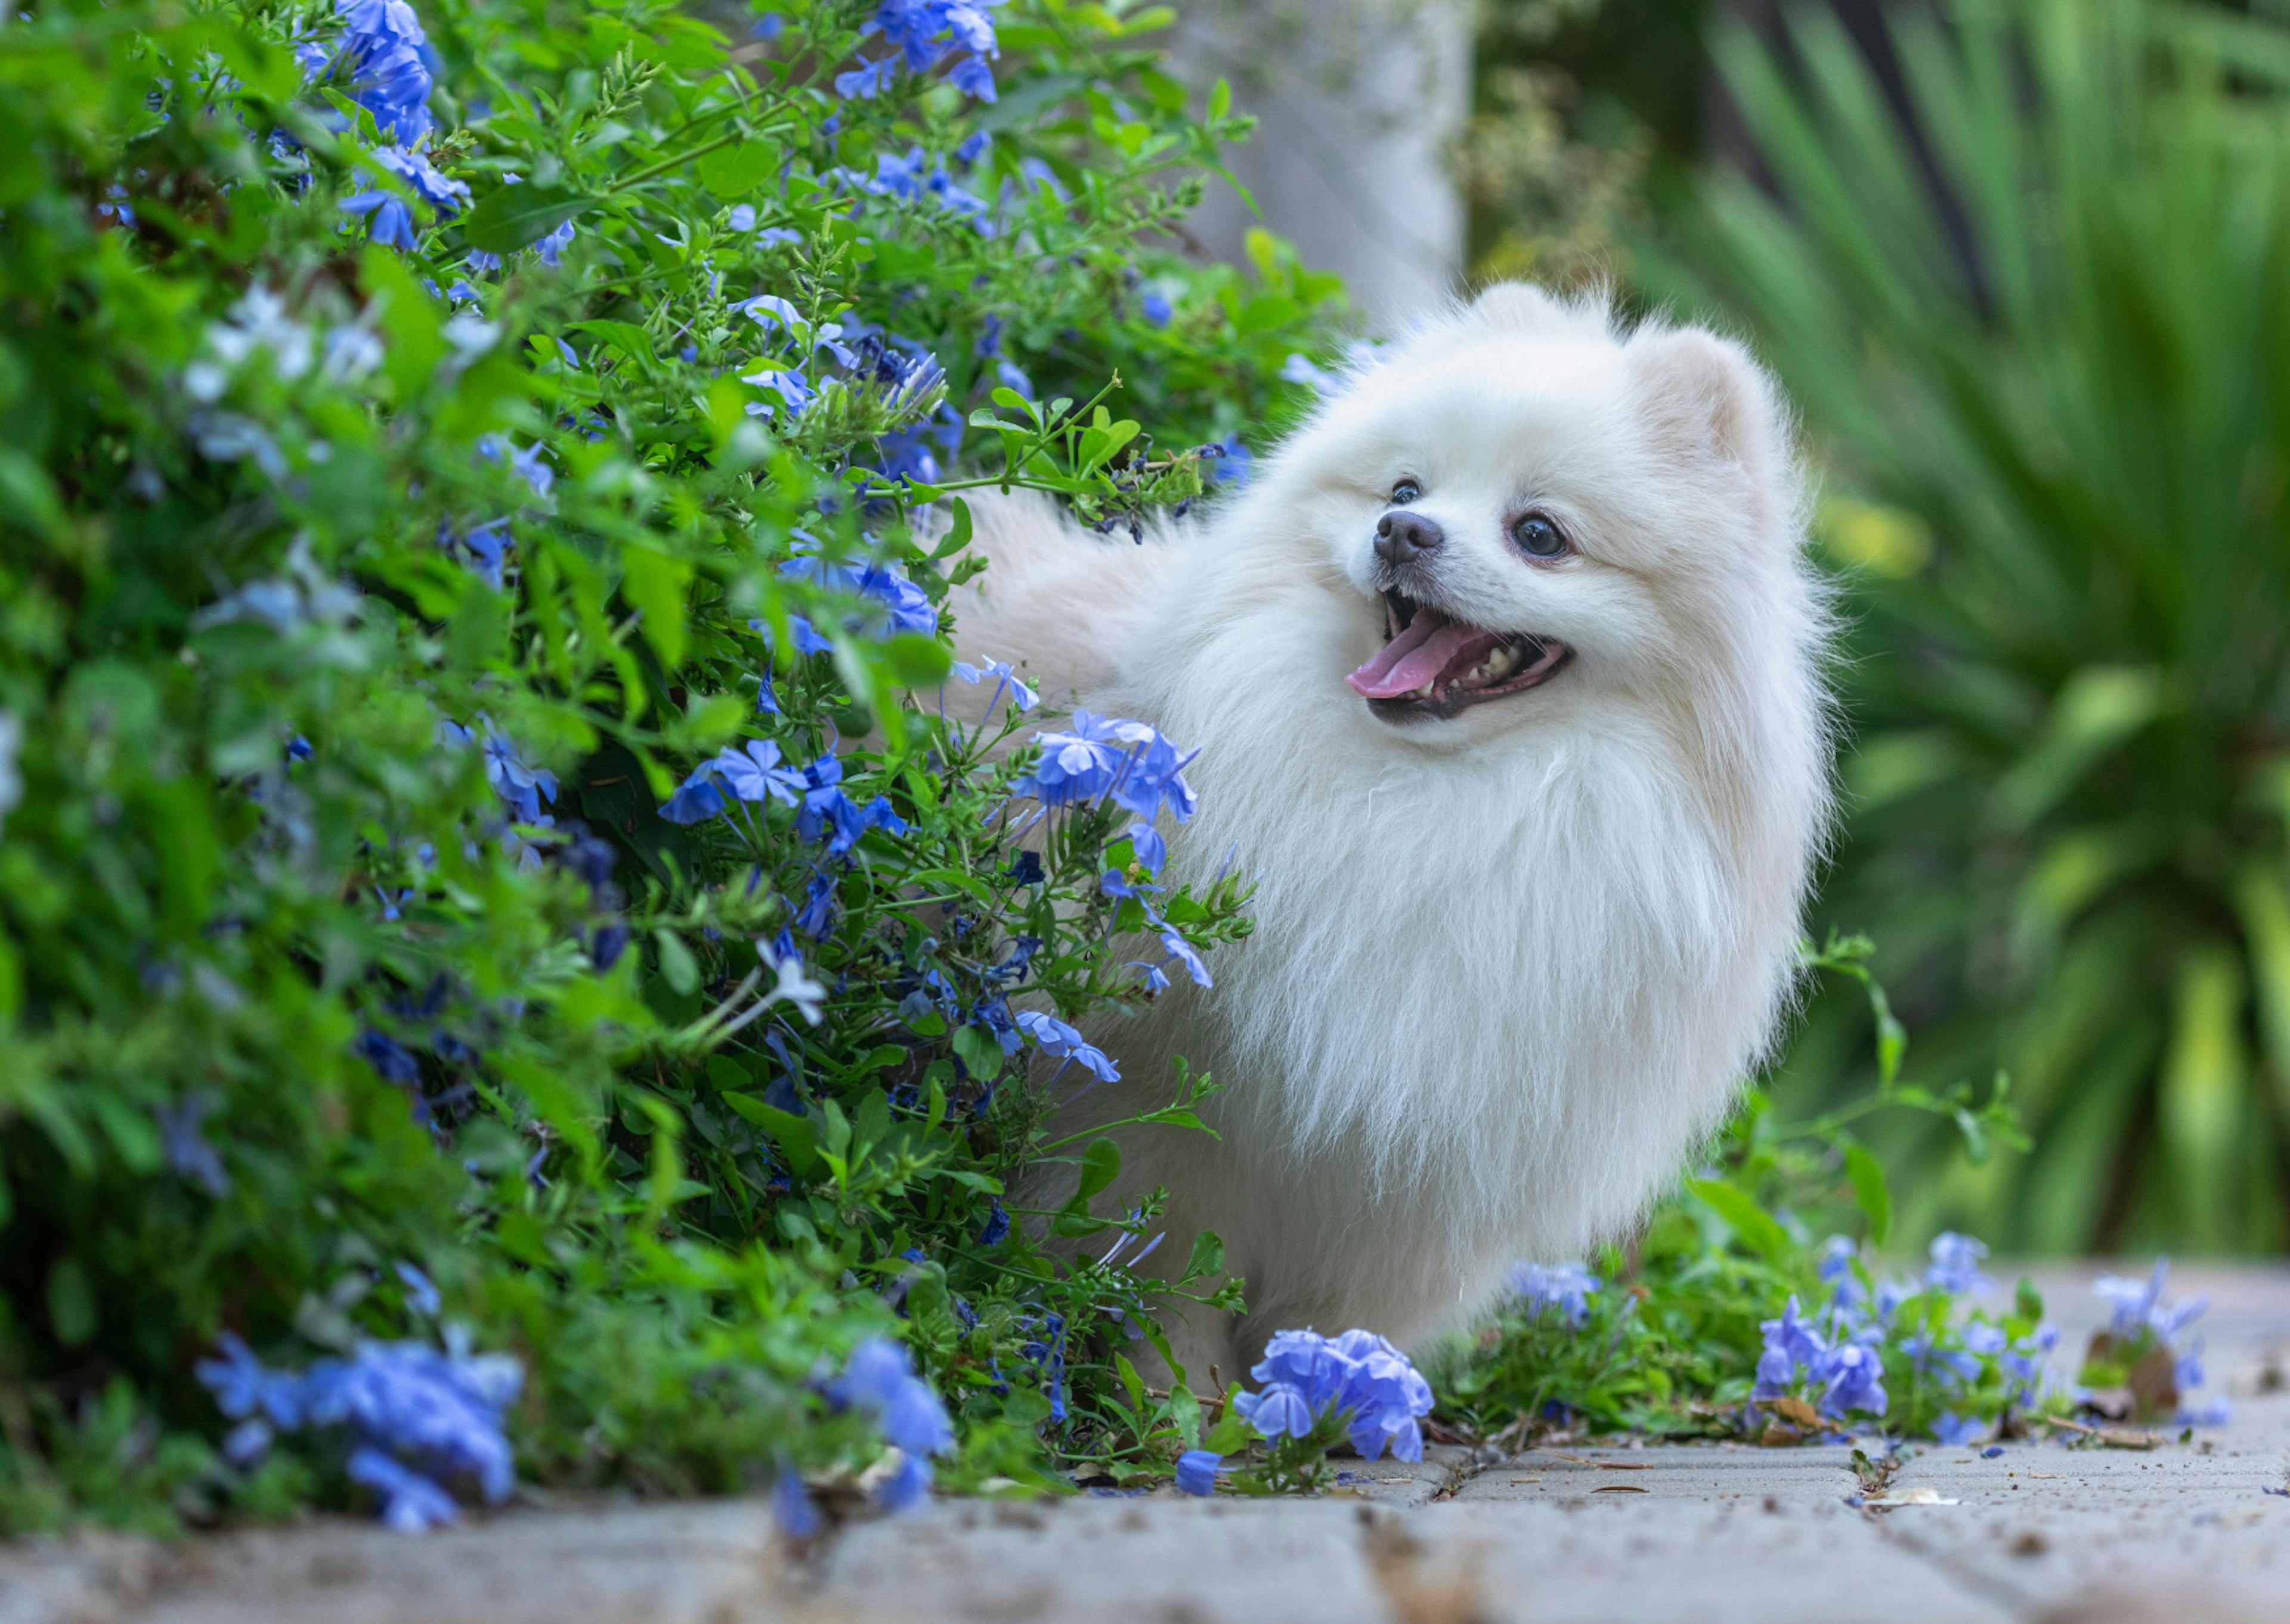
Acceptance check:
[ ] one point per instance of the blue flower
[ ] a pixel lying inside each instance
(413, 1414)
(390, 222)
(1300, 369)
(1156, 307)
(1181, 951)
(1960, 1430)
(1227, 460)
(521, 787)
(484, 549)
(383, 59)
(895, 603)
(1565, 1287)
(1278, 1410)
(972, 77)
(1055, 1038)
(182, 1137)
(793, 388)
(1080, 764)
(755, 772)
(1852, 1377)
(908, 1487)
(1790, 1341)
(430, 183)
(550, 248)
(791, 1507)
(410, 1503)
(387, 1056)
(1358, 1375)
(1025, 868)
(1151, 850)
(243, 1386)
(1947, 1367)
(1154, 779)
(1955, 1265)
(1005, 681)
(879, 1379)
(1982, 1337)
(818, 914)
(996, 1225)
(420, 1293)
(2138, 1305)
(1196, 1470)
(697, 799)
(868, 79)
(972, 145)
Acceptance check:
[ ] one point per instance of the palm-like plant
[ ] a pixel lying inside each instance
(2036, 308)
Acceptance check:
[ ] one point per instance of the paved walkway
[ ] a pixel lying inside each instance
(1592, 1534)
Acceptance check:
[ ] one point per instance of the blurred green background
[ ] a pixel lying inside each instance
(2024, 267)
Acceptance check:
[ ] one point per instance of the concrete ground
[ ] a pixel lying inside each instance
(1596, 1534)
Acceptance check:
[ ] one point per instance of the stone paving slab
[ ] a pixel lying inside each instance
(2043, 1533)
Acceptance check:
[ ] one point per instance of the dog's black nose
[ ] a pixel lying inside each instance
(1401, 538)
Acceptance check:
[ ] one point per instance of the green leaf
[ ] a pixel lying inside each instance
(978, 1050)
(1740, 1210)
(1207, 1260)
(1185, 1413)
(677, 967)
(1101, 1164)
(71, 1302)
(731, 173)
(1232, 1432)
(1132, 1383)
(654, 583)
(516, 216)
(917, 661)
(630, 340)
(1871, 1193)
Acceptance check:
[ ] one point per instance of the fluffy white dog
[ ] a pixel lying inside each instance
(1504, 675)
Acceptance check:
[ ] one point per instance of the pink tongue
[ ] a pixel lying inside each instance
(1429, 646)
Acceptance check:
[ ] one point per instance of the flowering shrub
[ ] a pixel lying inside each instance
(476, 788)
(1731, 1320)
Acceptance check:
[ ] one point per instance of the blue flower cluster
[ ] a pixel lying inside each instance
(879, 1379)
(1565, 1288)
(1358, 1376)
(893, 605)
(383, 63)
(2141, 1315)
(753, 772)
(1842, 1363)
(922, 33)
(416, 1418)
(1131, 762)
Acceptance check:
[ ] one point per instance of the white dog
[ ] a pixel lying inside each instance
(1504, 675)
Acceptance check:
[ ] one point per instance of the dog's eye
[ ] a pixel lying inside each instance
(1538, 537)
(1405, 491)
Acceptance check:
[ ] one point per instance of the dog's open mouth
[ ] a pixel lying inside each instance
(1433, 664)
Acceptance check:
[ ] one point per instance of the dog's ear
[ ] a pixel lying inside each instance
(1704, 397)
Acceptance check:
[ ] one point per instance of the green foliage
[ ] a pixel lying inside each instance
(340, 926)
(2043, 342)
(1784, 1215)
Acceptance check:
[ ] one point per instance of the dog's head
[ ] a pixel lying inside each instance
(1526, 509)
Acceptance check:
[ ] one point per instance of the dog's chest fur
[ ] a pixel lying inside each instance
(1488, 1002)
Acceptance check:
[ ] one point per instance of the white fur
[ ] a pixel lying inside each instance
(1509, 968)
